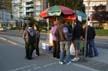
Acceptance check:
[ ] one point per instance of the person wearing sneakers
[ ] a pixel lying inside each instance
(62, 35)
(77, 34)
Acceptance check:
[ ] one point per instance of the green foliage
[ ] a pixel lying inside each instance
(73, 4)
(101, 32)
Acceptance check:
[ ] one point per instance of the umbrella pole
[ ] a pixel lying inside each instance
(47, 24)
(47, 29)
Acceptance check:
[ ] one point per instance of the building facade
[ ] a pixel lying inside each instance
(89, 4)
(40, 5)
(15, 9)
(32, 8)
(5, 10)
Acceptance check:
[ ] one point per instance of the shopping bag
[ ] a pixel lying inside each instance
(46, 46)
(50, 40)
(72, 49)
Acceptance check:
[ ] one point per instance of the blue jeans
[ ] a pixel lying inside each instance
(91, 49)
(65, 45)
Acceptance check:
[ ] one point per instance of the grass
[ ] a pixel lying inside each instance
(101, 32)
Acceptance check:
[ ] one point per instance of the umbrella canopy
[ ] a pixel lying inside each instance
(70, 17)
(56, 11)
(81, 14)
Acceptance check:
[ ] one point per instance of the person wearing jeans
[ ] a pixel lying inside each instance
(91, 50)
(67, 48)
(62, 36)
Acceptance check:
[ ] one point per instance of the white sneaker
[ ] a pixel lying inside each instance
(60, 62)
(75, 59)
(68, 63)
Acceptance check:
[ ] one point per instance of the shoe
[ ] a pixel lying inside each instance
(76, 59)
(38, 54)
(29, 58)
(60, 62)
(68, 63)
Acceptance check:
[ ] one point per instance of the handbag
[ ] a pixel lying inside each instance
(51, 40)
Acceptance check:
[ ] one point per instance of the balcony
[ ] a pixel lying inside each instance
(29, 5)
(29, 10)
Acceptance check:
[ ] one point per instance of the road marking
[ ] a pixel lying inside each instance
(85, 67)
(21, 68)
(33, 65)
(12, 42)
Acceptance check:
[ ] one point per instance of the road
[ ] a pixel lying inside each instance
(12, 54)
(12, 59)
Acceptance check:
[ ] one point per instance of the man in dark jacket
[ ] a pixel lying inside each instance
(77, 35)
(91, 50)
(29, 38)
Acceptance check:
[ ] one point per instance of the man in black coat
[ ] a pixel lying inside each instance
(91, 50)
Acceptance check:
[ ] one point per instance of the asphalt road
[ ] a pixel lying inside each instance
(12, 55)
(12, 59)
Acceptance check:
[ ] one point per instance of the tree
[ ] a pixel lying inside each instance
(100, 14)
(73, 4)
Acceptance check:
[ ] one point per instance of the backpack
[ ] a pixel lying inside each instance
(31, 36)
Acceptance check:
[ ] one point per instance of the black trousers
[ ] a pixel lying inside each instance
(29, 50)
(37, 47)
(56, 49)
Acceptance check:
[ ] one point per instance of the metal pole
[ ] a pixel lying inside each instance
(85, 42)
(48, 21)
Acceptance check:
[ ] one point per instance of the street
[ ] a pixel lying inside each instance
(12, 57)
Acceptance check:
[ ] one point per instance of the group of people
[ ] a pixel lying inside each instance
(64, 35)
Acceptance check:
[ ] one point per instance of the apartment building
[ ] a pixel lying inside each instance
(5, 10)
(15, 9)
(32, 8)
(40, 5)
